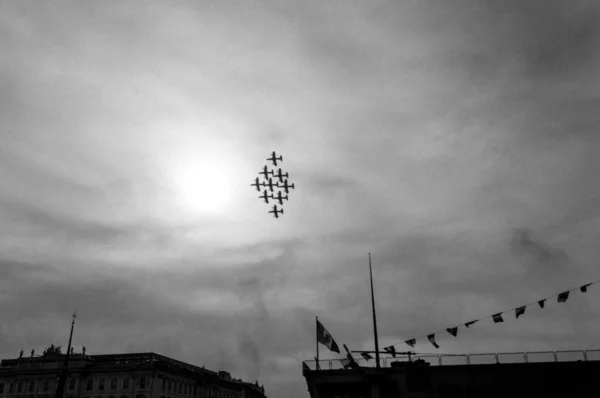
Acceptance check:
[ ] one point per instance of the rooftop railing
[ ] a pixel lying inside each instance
(467, 359)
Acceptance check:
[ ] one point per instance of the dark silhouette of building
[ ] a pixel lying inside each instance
(145, 375)
(419, 379)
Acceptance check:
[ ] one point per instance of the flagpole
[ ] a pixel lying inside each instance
(317, 338)
(60, 389)
(374, 316)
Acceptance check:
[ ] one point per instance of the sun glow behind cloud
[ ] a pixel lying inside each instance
(198, 172)
(202, 185)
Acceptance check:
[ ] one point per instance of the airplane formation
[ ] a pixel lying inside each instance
(273, 180)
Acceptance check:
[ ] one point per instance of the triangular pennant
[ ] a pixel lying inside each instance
(520, 311)
(497, 317)
(584, 288)
(391, 350)
(470, 323)
(411, 342)
(366, 356)
(564, 296)
(541, 303)
(453, 331)
(431, 338)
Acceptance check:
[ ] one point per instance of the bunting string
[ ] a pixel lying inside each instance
(496, 317)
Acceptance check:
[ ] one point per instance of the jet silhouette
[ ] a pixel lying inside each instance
(286, 187)
(265, 172)
(274, 159)
(265, 196)
(257, 184)
(276, 211)
(279, 197)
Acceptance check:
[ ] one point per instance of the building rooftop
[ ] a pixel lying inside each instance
(110, 361)
(463, 359)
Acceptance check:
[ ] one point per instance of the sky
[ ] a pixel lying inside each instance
(441, 137)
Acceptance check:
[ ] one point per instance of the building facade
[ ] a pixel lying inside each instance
(145, 375)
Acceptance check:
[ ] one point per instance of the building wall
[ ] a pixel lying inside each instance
(564, 379)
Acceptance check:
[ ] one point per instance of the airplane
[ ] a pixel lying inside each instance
(276, 211)
(270, 184)
(265, 172)
(280, 175)
(279, 197)
(274, 159)
(257, 184)
(266, 197)
(285, 186)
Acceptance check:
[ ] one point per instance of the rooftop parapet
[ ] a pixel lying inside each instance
(464, 359)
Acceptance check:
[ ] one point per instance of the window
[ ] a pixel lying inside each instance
(180, 387)
(164, 384)
(126, 383)
(46, 385)
(101, 384)
(31, 386)
(20, 386)
(1, 388)
(169, 385)
(142, 382)
(11, 387)
(113, 384)
(89, 384)
(72, 384)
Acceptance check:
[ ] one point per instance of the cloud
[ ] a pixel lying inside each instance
(422, 133)
(523, 243)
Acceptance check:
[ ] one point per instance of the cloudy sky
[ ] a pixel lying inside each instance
(424, 132)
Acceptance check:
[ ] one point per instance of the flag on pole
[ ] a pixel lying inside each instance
(519, 311)
(469, 323)
(453, 331)
(541, 303)
(345, 363)
(584, 288)
(349, 362)
(411, 342)
(497, 317)
(564, 296)
(366, 356)
(391, 350)
(325, 338)
(431, 338)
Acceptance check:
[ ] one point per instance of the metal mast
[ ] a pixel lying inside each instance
(374, 316)
(60, 388)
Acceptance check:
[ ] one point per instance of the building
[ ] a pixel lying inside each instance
(548, 374)
(146, 375)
